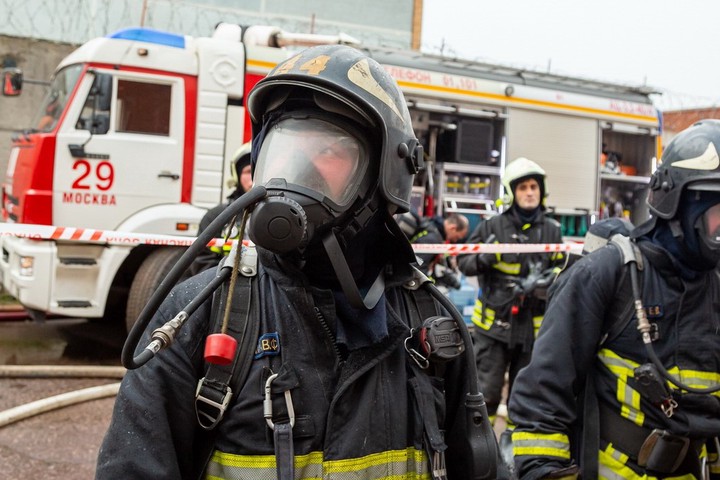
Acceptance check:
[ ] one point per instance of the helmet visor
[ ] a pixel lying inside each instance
(711, 225)
(314, 154)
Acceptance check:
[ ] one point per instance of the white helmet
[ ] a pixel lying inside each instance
(519, 169)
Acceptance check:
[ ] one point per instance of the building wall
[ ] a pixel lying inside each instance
(675, 121)
(37, 59)
(373, 22)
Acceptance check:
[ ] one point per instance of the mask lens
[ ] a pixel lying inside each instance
(711, 224)
(315, 154)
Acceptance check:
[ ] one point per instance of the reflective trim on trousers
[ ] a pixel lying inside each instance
(408, 464)
(612, 466)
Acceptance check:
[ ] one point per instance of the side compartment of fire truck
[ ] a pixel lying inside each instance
(598, 142)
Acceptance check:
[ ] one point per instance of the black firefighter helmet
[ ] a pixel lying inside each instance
(690, 162)
(345, 81)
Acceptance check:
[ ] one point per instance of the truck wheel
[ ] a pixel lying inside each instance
(152, 271)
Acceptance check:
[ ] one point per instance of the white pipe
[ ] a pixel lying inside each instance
(58, 401)
(91, 371)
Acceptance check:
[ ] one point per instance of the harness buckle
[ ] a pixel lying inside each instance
(422, 361)
(267, 404)
(662, 451)
(215, 396)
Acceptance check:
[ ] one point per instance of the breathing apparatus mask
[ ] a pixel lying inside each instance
(707, 225)
(317, 168)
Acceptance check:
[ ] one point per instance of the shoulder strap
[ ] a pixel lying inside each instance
(420, 304)
(620, 314)
(215, 389)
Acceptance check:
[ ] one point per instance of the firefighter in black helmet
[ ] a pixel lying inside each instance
(632, 341)
(331, 391)
(241, 179)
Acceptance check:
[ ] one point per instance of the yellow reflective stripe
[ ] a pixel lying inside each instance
(507, 268)
(612, 466)
(486, 321)
(546, 444)
(418, 236)
(390, 465)
(629, 399)
(621, 367)
(696, 378)
(537, 321)
(624, 368)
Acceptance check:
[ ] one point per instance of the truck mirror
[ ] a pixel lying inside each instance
(12, 80)
(102, 89)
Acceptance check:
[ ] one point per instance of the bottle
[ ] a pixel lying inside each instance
(453, 184)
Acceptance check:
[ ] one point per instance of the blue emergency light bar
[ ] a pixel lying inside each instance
(150, 36)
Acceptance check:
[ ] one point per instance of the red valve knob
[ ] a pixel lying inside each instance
(220, 349)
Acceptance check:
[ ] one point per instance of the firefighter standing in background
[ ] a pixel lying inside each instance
(436, 230)
(509, 309)
(650, 397)
(241, 178)
(331, 390)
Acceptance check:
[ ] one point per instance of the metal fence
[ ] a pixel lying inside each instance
(76, 21)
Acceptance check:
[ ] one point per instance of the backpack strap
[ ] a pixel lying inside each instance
(620, 314)
(623, 306)
(215, 390)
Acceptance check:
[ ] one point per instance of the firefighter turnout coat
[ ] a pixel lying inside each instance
(500, 276)
(572, 355)
(355, 416)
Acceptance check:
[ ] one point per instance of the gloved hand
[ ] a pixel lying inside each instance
(486, 260)
(538, 282)
(445, 276)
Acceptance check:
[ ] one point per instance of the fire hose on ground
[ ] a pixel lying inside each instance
(54, 402)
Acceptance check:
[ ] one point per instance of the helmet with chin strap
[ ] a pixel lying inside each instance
(334, 147)
(685, 192)
(518, 170)
(690, 162)
(344, 80)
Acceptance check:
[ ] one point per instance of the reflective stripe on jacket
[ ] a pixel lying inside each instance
(569, 350)
(352, 415)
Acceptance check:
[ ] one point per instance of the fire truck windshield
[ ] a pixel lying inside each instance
(54, 102)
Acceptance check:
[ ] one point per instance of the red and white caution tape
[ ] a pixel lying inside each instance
(44, 232)
(465, 248)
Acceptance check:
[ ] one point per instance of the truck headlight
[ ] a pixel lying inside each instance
(27, 266)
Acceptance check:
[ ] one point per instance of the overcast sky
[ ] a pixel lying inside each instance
(671, 45)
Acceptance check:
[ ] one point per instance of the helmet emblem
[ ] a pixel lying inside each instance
(709, 160)
(360, 75)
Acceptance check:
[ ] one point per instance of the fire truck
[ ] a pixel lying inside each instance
(138, 129)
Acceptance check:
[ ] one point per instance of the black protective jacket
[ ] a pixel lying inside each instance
(572, 351)
(354, 409)
(500, 277)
